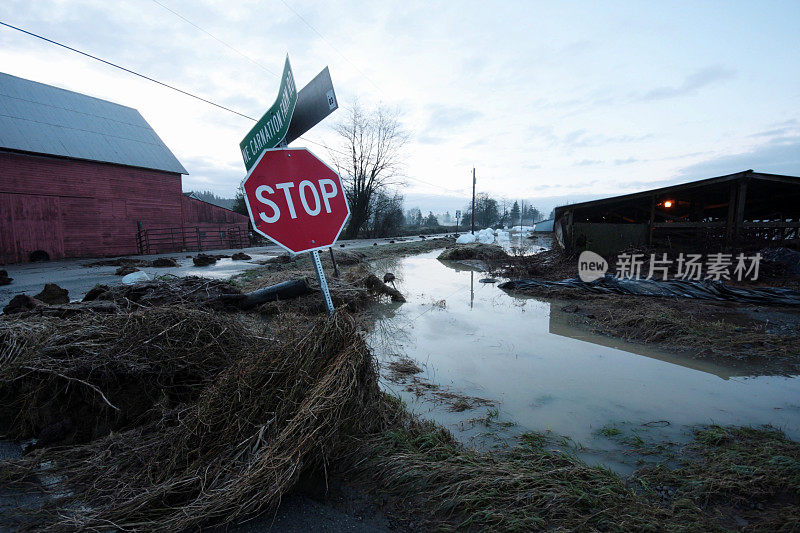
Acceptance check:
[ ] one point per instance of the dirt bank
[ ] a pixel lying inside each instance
(479, 251)
(764, 336)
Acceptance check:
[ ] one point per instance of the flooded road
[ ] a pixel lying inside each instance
(520, 354)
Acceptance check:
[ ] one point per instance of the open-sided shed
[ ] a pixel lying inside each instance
(745, 208)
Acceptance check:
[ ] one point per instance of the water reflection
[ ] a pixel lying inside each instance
(560, 325)
(543, 374)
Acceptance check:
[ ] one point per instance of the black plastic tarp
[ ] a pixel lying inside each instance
(703, 289)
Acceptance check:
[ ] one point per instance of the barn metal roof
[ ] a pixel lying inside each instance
(43, 119)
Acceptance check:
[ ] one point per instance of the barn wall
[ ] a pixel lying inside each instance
(196, 211)
(71, 208)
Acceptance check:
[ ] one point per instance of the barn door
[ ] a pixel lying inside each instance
(30, 224)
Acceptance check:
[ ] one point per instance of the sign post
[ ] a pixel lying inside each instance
(282, 184)
(323, 283)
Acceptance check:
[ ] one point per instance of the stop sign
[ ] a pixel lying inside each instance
(295, 200)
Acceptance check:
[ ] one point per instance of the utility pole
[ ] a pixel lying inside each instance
(473, 200)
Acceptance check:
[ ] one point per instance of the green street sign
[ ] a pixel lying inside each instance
(271, 129)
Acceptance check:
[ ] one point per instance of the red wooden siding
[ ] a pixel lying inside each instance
(71, 208)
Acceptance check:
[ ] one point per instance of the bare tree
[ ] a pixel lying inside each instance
(370, 161)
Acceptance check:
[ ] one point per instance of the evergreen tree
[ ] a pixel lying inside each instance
(514, 214)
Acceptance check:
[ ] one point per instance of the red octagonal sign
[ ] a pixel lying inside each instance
(295, 200)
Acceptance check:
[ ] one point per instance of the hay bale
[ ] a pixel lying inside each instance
(483, 252)
(4, 279)
(53, 294)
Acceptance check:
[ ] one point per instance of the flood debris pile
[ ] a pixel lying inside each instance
(165, 262)
(169, 418)
(165, 290)
(475, 250)
(273, 294)
(361, 276)
(119, 262)
(551, 264)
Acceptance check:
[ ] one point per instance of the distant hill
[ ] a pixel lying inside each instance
(210, 197)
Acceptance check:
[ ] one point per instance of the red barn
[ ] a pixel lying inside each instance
(84, 177)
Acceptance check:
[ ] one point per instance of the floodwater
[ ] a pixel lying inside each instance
(473, 339)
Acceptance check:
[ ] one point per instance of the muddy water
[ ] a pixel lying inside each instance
(471, 338)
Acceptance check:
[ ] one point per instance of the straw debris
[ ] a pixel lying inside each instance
(177, 417)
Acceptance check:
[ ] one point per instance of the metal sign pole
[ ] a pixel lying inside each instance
(323, 283)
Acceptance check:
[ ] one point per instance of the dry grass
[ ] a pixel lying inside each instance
(707, 329)
(230, 417)
(727, 473)
(402, 369)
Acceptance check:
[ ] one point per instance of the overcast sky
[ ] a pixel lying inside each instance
(548, 100)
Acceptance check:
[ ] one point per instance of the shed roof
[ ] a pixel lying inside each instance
(746, 174)
(43, 119)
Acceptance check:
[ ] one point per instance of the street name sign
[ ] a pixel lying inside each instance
(315, 101)
(295, 200)
(273, 126)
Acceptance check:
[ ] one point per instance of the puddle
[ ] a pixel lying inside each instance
(473, 339)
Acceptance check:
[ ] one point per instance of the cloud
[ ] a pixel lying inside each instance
(588, 162)
(692, 83)
(644, 185)
(626, 161)
(778, 156)
(449, 118)
(429, 139)
(583, 138)
(781, 129)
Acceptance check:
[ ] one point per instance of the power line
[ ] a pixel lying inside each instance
(293, 10)
(216, 38)
(148, 78)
